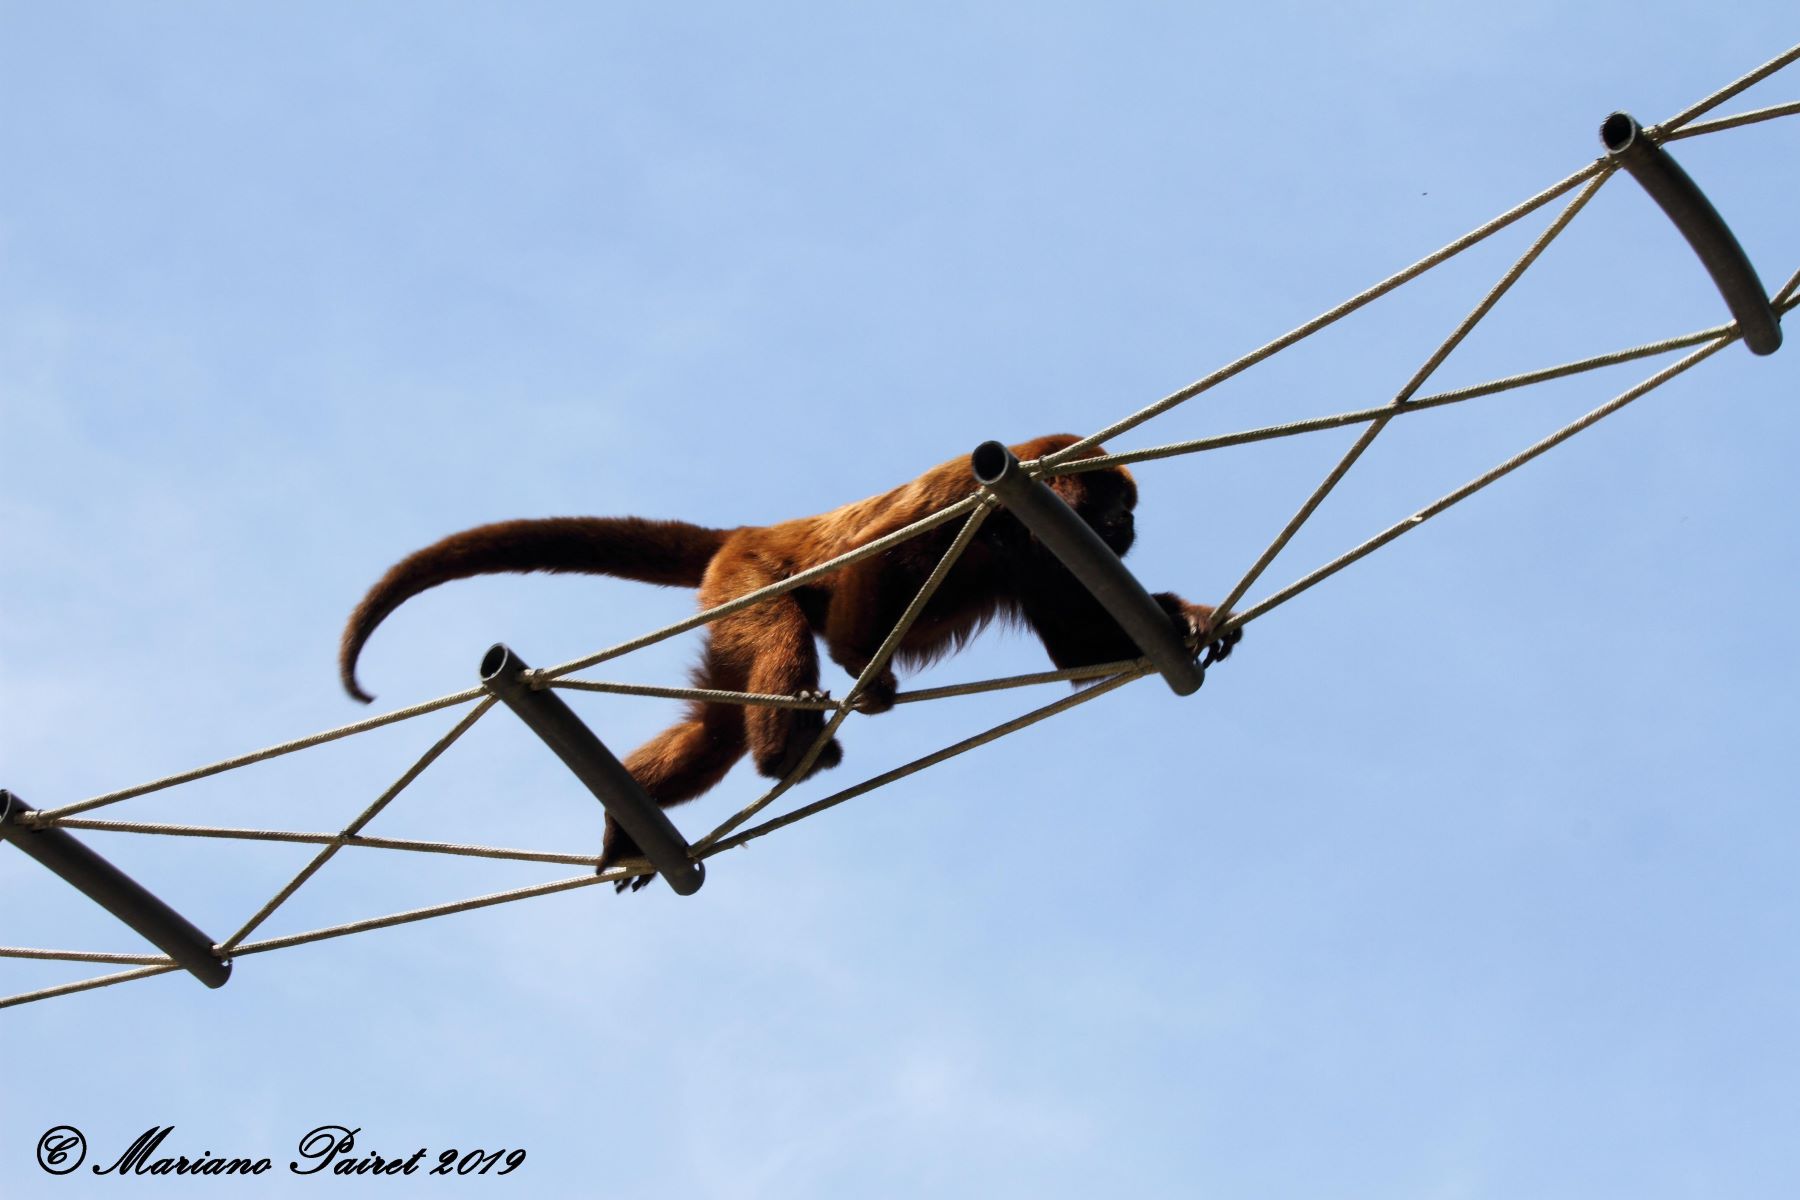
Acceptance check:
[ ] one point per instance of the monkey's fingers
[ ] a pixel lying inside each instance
(1219, 648)
(1200, 623)
(1195, 624)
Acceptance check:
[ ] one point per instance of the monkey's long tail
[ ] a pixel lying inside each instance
(671, 553)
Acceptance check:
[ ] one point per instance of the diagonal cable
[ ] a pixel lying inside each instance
(1417, 404)
(1734, 121)
(1725, 93)
(1431, 364)
(1331, 315)
(1510, 465)
(256, 756)
(297, 837)
(368, 814)
(83, 985)
(1136, 671)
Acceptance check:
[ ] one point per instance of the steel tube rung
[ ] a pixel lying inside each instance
(114, 891)
(1090, 560)
(545, 713)
(1700, 223)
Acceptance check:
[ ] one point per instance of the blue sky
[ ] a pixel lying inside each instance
(1470, 876)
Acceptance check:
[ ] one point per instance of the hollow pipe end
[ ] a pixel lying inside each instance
(992, 462)
(1619, 132)
(500, 663)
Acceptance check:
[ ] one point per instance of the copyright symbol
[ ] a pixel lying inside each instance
(61, 1150)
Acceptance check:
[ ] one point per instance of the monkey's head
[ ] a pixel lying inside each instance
(1104, 498)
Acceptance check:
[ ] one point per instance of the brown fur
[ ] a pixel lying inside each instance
(770, 647)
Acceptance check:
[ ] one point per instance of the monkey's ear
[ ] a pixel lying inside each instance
(1131, 492)
(1072, 489)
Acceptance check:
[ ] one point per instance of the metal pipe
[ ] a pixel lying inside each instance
(1700, 223)
(1091, 561)
(502, 673)
(114, 891)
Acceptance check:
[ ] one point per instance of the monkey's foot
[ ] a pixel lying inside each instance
(617, 847)
(631, 882)
(780, 764)
(878, 697)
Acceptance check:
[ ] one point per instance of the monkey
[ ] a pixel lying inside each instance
(771, 647)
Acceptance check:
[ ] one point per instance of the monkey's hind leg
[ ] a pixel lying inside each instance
(677, 764)
(775, 640)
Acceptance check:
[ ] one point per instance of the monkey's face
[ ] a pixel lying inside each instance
(1105, 500)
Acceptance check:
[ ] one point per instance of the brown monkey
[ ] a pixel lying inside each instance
(769, 647)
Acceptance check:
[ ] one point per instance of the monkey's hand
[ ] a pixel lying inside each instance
(1195, 623)
(1201, 625)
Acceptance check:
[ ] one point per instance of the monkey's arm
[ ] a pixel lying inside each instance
(1078, 632)
(867, 598)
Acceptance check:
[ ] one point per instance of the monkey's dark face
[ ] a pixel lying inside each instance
(1105, 500)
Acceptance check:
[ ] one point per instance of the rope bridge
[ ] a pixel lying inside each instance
(47, 834)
